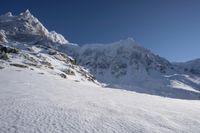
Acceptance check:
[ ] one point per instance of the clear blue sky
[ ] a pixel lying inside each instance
(170, 28)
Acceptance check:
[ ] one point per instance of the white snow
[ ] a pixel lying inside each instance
(127, 65)
(35, 103)
(180, 85)
(57, 38)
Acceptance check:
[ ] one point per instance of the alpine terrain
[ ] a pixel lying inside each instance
(49, 85)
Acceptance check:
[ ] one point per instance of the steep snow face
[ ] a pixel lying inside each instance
(123, 62)
(126, 64)
(57, 38)
(26, 27)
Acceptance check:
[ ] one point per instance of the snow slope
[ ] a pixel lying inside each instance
(33, 103)
(127, 65)
(25, 42)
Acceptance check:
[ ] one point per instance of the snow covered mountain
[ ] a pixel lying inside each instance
(25, 27)
(192, 66)
(26, 43)
(48, 84)
(127, 65)
(123, 59)
(124, 64)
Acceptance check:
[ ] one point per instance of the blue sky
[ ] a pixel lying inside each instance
(170, 28)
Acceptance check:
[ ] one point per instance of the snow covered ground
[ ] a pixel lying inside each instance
(31, 102)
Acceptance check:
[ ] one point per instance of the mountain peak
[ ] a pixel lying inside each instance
(130, 39)
(27, 12)
(25, 23)
(8, 14)
(128, 42)
(26, 15)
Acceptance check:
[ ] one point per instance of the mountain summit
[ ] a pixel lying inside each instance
(27, 26)
(26, 43)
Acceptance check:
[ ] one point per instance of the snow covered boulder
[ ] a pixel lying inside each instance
(6, 49)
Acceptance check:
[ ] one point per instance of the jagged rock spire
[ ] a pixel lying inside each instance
(26, 14)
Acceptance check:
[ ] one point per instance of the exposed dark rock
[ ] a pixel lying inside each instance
(8, 50)
(68, 72)
(63, 75)
(31, 59)
(4, 56)
(59, 57)
(194, 71)
(19, 65)
(30, 64)
(46, 63)
(30, 49)
(41, 73)
(50, 67)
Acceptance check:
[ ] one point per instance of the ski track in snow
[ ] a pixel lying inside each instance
(34, 103)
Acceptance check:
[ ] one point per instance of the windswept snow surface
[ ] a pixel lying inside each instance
(35, 103)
